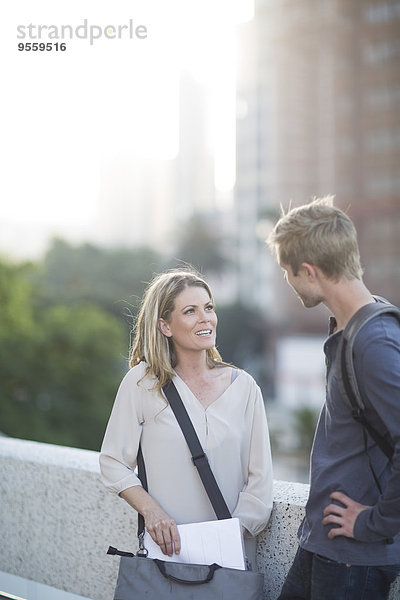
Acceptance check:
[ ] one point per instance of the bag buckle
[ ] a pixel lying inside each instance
(142, 552)
(198, 459)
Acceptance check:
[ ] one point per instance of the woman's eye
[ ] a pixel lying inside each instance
(210, 307)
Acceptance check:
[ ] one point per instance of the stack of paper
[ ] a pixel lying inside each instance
(206, 543)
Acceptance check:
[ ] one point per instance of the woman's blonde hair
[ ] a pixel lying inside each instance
(320, 234)
(149, 344)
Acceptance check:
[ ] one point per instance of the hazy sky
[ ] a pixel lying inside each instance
(113, 92)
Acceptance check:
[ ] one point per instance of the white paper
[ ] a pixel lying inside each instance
(206, 543)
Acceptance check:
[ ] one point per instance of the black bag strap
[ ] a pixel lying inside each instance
(143, 479)
(163, 568)
(199, 458)
(346, 371)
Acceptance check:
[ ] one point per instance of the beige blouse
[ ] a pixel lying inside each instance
(232, 430)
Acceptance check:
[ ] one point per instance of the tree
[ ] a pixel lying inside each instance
(110, 278)
(59, 365)
(305, 422)
(243, 337)
(200, 246)
(18, 328)
(85, 359)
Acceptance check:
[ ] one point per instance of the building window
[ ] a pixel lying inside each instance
(345, 104)
(384, 98)
(347, 145)
(383, 141)
(380, 186)
(380, 52)
(382, 12)
(381, 229)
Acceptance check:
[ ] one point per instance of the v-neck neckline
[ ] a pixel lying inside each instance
(214, 401)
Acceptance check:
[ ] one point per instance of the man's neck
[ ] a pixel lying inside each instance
(344, 298)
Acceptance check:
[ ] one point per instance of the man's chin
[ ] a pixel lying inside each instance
(310, 302)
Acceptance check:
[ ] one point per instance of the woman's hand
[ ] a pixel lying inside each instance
(162, 529)
(159, 524)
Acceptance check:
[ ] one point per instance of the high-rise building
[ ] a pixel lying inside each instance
(319, 113)
(195, 189)
(147, 201)
(135, 203)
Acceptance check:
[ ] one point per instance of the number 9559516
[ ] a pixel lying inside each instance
(42, 46)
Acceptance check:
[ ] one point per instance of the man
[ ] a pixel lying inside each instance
(349, 540)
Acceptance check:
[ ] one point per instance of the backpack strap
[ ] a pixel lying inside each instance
(346, 372)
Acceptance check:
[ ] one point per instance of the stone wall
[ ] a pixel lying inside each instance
(57, 521)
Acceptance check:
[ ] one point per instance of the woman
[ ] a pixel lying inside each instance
(175, 339)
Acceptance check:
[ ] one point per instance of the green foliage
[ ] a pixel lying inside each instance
(242, 338)
(236, 322)
(59, 366)
(84, 348)
(18, 329)
(305, 421)
(112, 279)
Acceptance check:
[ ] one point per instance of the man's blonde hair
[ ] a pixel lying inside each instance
(149, 344)
(320, 234)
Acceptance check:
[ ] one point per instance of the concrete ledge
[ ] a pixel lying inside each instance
(58, 521)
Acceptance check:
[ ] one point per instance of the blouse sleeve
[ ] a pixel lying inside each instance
(118, 456)
(255, 500)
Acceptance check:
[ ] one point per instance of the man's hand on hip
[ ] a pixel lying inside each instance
(343, 517)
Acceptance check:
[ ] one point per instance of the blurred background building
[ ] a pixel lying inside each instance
(319, 113)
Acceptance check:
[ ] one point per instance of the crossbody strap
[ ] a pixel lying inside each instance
(143, 479)
(199, 458)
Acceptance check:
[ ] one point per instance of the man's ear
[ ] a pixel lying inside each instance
(310, 270)
(164, 327)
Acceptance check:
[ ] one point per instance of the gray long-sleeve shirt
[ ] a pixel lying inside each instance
(339, 460)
